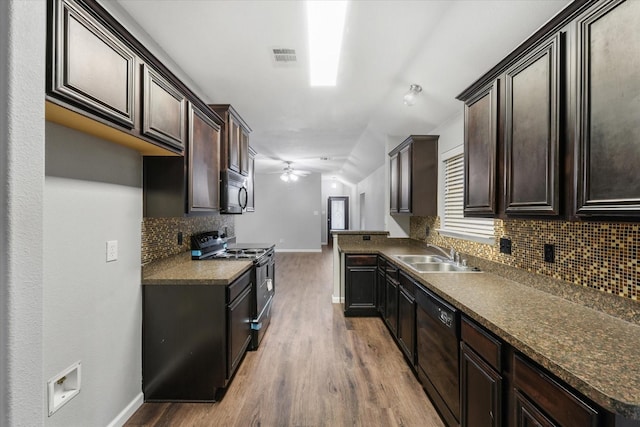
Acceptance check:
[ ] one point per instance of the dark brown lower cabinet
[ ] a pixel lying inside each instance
(541, 399)
(360, 285)
(480, 391)
(193, 338)
(381, 285)
(407, 318)
(527, 415)
(391, 291)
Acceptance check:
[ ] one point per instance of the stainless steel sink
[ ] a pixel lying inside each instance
(434, 264)
(440, 267)
(413, 259)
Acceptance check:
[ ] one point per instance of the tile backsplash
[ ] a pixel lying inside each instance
(599, 255)
(160, 235)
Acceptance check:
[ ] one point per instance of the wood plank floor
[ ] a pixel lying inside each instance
(314, 367)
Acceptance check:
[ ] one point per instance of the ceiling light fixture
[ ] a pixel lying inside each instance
(288, 174)
(410, 97)
(325, 25)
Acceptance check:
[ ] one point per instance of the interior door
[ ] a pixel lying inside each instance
(337, 214)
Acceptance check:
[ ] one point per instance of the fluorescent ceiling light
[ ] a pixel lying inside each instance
(325, 22)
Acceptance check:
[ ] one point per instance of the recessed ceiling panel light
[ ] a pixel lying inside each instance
(325, 22)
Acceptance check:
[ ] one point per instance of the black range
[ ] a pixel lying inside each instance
(214, 246)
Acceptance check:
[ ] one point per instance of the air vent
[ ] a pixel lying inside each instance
(284, 56)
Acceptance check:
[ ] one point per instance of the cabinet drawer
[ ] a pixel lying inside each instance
(361, 259)
(553, 398)
(238, 286)
(408, 284)
(488, 347)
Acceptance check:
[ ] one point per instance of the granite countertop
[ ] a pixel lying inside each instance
(181, 270)
(594, 352)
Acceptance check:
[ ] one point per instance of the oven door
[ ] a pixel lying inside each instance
(260, 324)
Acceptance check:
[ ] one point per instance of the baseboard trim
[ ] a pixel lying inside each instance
(127, 412)
(298, 250)
(336, 300)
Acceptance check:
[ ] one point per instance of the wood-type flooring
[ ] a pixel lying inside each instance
(313, 368)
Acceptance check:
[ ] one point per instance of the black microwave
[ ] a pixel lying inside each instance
(233, 192)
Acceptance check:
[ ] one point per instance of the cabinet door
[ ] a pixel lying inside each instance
(563, 406)
(163, 110)
(391, 313)
(527, 415)
(532, 134)
(244, 152)
(91, 69)
(234, 145)
(394, 179)
(480, 391)
(204, 161)
(480, 133)
(251, 201)
(360, 285)
(360, 291)
(404, 185)
(608, 109)
(239, 333)
(381, 285)
(407, 324)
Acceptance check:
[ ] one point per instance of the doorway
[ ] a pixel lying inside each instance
(337, 215)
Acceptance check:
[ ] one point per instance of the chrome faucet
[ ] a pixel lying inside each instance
(450, 255)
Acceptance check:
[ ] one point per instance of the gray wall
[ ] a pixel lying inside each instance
(92, 309)
(287, 214)
(22, 76)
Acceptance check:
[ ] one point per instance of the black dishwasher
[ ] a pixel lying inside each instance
(438, 333)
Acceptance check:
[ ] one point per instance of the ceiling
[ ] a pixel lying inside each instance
(225, 47)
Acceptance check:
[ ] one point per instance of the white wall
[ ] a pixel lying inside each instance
(92, 309)
(287, 214)
(341, 189)
(374, 188)
(22, 76)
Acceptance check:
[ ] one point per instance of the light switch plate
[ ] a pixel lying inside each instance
(112, 250)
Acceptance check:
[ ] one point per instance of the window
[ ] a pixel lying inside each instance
(454, 223)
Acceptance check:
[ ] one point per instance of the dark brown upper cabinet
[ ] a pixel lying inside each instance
(568, 134)
(608, 37)
(204, 163)
(102, 81)
(532, 132)
(235, 139)
(413, 176)
(90, 67)
(480, 152)
(174, 186)
(163, 109)
(394, 179)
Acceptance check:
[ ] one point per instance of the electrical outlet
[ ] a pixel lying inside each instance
(549, 253)
(505, 245)
(366, 237)
(179, 238)
(112, 250)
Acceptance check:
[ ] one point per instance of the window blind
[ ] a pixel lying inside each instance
(454, 220)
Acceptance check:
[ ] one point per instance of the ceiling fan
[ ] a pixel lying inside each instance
(291, 174)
